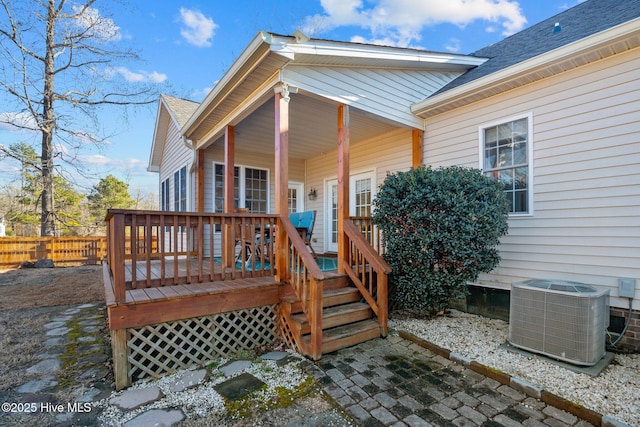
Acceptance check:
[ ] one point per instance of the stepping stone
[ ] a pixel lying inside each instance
(71, 311)
(132, 399)
(156, 418)
(234, 367)
(188, 380)
(51, 342)
(53, 325)
(238, 387)
(86, 305)
(281, 358)
(36, 386)
(90, 329)
(44, 366)
(86, 339)
(57, 332)
(275, 355)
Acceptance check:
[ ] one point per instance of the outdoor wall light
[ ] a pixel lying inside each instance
(312, 194)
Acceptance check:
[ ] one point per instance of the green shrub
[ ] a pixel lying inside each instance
(441, 229)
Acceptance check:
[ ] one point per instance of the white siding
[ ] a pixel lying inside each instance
(174, 156)
(215, 153)
(384, 92)
(385, 154)
(586, 166)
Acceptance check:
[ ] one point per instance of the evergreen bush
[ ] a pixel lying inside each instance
(441, 229)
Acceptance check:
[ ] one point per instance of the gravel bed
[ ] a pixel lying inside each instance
(615, 392)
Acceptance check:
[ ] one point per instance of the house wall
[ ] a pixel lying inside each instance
(174, 156)
(586, 168)
(384, 92)
(387, 153)
(243, 157)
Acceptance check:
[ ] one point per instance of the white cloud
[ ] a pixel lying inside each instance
(14, 122)
(98, 26)
(197, 29)
(400, 22)
(453, 45)
(137, 77)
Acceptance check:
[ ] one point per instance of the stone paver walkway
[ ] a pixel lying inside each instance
(383, 382)
(395, 382)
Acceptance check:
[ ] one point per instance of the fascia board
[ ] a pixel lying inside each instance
(540, 61)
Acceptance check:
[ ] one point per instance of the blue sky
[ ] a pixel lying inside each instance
(187, 46)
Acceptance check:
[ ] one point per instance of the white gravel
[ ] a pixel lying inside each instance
(203, 400)
(615, 392)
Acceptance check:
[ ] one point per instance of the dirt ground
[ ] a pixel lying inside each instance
(29, 298)
(49, 287)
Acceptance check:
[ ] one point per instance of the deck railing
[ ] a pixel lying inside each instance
(369, 231)
(305, 277)
(192, 248)
(368, 271)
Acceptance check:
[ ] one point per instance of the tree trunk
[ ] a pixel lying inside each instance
(47, 218)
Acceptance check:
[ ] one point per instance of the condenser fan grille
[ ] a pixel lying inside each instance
(563, 320)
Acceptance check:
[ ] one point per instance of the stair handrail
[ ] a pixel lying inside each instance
(300, 270)
(368, 271)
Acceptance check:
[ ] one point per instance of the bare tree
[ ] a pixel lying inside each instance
(56, 64)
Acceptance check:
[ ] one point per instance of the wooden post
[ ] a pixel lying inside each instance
(120, 362)
(200, 180)
(281, 179)
(229, 168)
(417, 150)
(343, 182)
(117, 241)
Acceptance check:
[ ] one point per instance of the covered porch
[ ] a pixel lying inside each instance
(194, 295)
(293, 125)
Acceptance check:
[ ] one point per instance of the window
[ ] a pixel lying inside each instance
(295, 196)
(180, 190)
(506, 155)
(251, 183)
(165, 196)
(362, 197)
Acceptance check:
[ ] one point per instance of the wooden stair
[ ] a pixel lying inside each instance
(346, 321)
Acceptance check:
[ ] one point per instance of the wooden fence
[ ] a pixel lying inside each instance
(64, 251)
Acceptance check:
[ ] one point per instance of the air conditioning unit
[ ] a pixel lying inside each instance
(560, 319)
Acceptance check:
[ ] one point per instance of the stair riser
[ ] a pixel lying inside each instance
(329, 301)
(329, 322)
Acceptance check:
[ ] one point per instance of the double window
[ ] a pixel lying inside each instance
(251, 188)
(506, 152)
(179, 191)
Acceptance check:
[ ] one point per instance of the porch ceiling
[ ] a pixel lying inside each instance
(313, 125)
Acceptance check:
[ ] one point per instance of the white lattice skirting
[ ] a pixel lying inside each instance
(166, 347)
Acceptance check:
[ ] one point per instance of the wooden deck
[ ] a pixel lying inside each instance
(145, 306)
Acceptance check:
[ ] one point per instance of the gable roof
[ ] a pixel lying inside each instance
(249, 82)
(170, 109)
(586, 21)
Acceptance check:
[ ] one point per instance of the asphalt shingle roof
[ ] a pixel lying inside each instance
(583, 20)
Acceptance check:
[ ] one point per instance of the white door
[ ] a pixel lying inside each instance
(361, 193)
(331, 227)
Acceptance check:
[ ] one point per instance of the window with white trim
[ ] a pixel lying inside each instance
(251, 188)
(165, 196)
(180, 190)
(506, 156)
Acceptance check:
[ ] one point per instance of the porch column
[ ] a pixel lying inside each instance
(229, 166)
(417, 148)
(343, 181)
(281, 177)
(200, 180)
